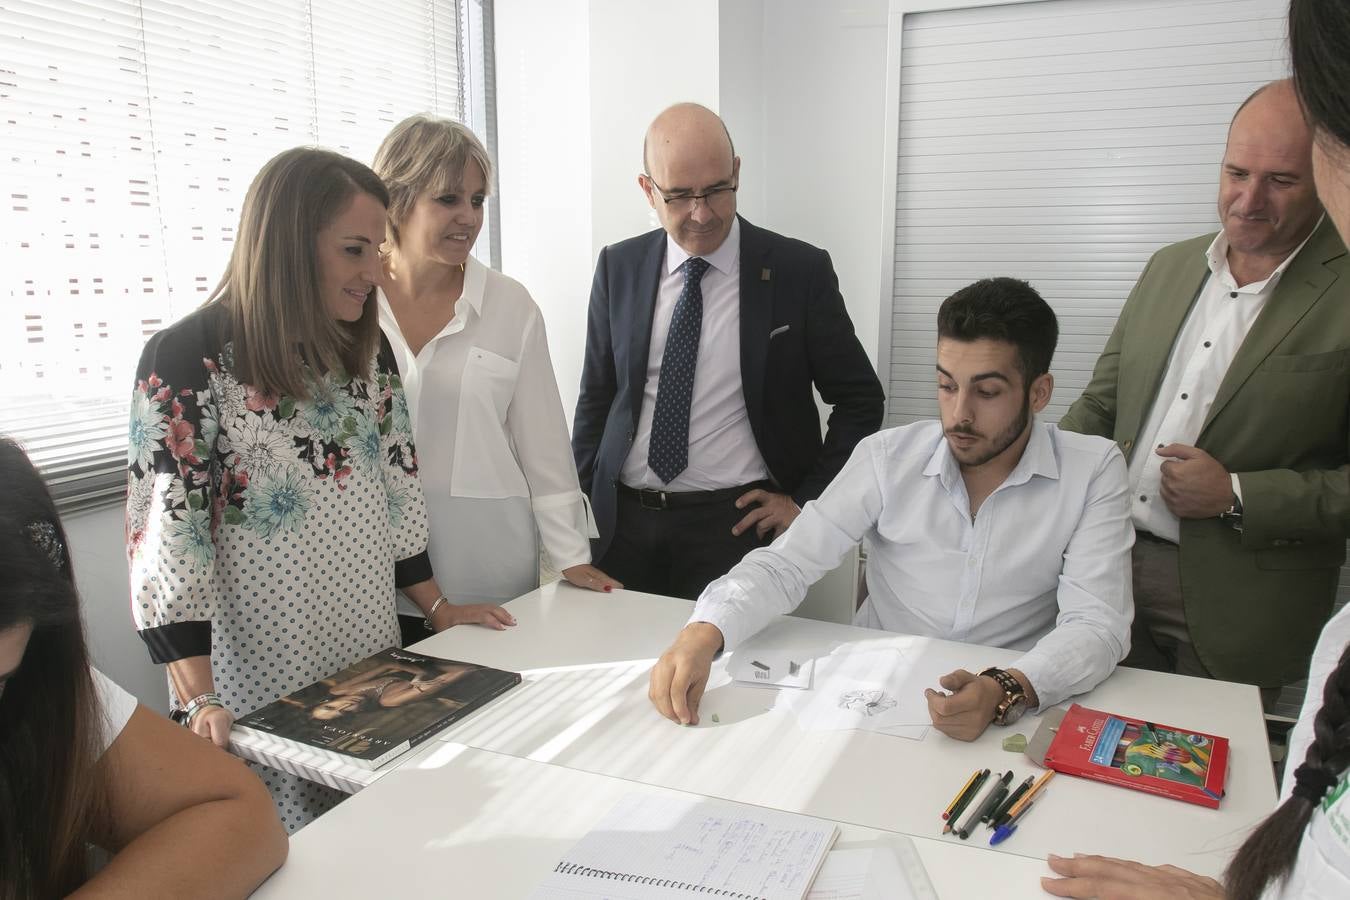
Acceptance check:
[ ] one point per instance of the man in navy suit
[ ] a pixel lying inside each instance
(696, 432)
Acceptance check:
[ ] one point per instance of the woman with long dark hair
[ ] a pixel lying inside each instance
(273, 501)
(82, 764)
(1302, 850)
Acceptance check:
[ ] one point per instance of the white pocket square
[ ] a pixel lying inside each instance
(777, 331)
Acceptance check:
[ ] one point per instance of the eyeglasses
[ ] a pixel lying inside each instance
(683, 203)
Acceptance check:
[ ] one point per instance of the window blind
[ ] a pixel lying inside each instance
(133, 129)
(1062, 142)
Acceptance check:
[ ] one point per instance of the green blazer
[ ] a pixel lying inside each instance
(1255, 600)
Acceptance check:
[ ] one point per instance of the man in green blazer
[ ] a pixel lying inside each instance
(1226, 382)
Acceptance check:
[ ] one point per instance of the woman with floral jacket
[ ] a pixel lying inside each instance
(273, 501)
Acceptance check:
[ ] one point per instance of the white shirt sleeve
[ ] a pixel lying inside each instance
(116, 706)
(772, 581)
(538, 431)
(1096, 600)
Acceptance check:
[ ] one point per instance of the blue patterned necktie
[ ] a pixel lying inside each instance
(668, 451)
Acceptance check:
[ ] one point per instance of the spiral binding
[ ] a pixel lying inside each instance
(566, 868)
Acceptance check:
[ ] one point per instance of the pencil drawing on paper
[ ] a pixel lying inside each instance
(866, 702)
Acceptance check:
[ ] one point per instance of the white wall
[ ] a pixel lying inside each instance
(645, 55)
(800, 83)
(576, 89)
(824, 111)
(740, 97)
(99, 552)
(544, 167)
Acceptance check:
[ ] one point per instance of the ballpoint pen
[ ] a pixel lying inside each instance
(1003, 832)
(1030, 795)
(1007, 804)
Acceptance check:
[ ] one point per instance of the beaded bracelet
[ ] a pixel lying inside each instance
(200, 702)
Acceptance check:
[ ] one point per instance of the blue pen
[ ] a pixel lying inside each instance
(1003, 832)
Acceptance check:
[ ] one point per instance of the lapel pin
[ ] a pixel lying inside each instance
(765, 274)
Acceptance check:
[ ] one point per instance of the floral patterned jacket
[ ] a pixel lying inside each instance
(222, 477)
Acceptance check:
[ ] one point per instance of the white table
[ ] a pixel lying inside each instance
(467, 823)
(583, 705)
(488, 809)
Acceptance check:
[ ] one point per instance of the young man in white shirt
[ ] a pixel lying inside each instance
(986, 527)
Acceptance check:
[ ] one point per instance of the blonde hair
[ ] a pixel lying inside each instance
(284, 337)
(424, 153)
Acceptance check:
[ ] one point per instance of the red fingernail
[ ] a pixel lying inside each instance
(608, 588)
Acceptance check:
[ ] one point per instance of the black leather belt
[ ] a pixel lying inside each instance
(1152, 538)
(651, 499)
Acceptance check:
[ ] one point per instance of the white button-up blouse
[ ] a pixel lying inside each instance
(492, 443)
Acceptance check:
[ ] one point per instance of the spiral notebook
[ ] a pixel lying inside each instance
(653, 846)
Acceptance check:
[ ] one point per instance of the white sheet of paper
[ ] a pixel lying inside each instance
(864, 686)
(889, 870)
(912, 732)
(843, 875)
(897, 872)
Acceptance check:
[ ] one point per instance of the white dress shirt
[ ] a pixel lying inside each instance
(722, 448)
(1044, 567)
(492, 445)
(1215, 328)
(1322, 868)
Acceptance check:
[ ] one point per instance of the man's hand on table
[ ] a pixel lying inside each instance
(681, 674)
(966, 712)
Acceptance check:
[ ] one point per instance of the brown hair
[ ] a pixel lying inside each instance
(1318, 34)
(284, 337)
(424, 153)
(1269, 852)
(50, 719)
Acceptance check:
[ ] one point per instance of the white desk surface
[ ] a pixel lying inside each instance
(583, 705)
(467, 823)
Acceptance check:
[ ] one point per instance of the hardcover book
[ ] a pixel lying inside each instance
(376, 709)
(1160, 759)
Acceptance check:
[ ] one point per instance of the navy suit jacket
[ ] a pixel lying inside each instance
(795, 331)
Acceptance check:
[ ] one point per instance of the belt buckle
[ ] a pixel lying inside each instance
(652, 499)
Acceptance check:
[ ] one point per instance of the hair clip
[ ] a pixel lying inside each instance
(44, 537)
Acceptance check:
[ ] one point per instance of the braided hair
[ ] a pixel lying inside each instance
(1269, 852)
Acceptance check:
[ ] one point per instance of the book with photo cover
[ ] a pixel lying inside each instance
(1158, 759)
(376, 709)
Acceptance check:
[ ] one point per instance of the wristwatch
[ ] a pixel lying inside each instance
(1014, 701)
(1233, 514)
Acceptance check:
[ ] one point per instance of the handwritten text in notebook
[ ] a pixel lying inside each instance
(689, 846)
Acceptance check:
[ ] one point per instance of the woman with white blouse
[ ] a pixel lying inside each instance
(496, 461)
